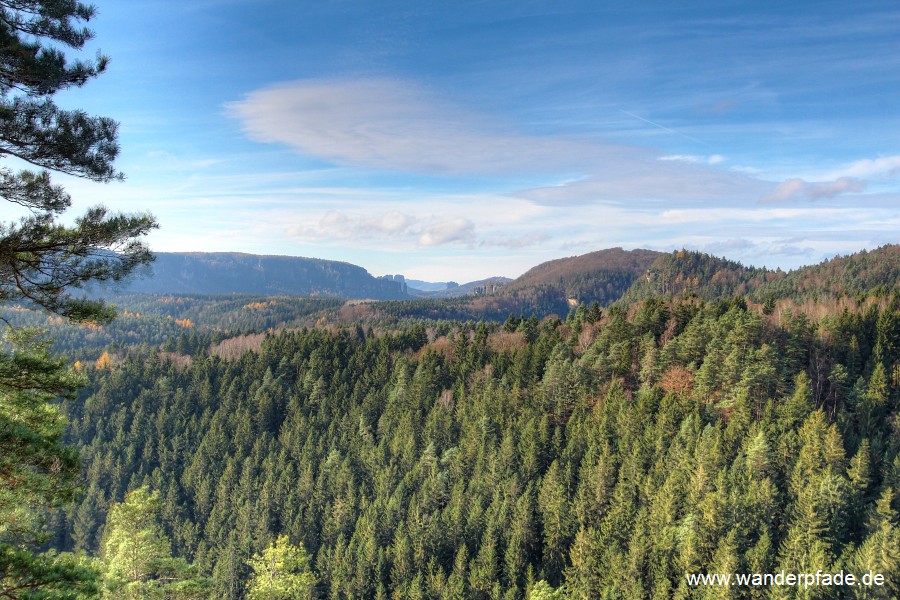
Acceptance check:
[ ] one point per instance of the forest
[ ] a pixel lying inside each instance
(602, 455)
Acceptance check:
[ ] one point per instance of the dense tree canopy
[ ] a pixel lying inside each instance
(602, 456)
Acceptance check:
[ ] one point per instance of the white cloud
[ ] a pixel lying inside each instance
(454, 230)
(341, 225)
(398, 228)
(888, 166)
(713, 159)
(388, 124)
(392, 125)
(648, 185)
(791, 189)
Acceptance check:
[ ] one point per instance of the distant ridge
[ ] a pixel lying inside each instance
(552, 287)
(238, 273)
(710, 277)
(864, 272)
(602, 276)
(605, 277)
(480, 287)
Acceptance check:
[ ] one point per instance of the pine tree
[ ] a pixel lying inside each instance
(36, 470)
(41, 259)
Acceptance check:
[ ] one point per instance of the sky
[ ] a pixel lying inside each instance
(461, 140)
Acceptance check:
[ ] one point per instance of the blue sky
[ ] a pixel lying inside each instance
(468, 139)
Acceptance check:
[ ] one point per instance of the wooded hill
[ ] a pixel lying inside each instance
(237, 273)
(615, 275)
(684, 271)
(549, 288)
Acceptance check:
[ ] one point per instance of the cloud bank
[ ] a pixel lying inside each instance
(405, 229)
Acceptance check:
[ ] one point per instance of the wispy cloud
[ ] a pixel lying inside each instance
(713, 159)
(336, 224)
(885, 166)
(795, 188)
(517, 242)
(394, 125)
(388, 124)
(394, 227)
(343, 225)
(649, 185)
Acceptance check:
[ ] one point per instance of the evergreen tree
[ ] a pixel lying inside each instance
(544, 591)
(880, 552)
(41, 260)
(36, 470)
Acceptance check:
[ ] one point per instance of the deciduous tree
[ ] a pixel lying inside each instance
(281, 572)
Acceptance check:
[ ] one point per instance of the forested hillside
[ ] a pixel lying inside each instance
(621, 424)
(601, 276)
(550, 287)
(606, 455)
(237, 273)
(699, 274)
(855, 275)
(176, 323)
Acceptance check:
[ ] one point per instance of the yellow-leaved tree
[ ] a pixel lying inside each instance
(281, 572)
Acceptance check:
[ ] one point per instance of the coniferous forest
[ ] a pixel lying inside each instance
(606, 454)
